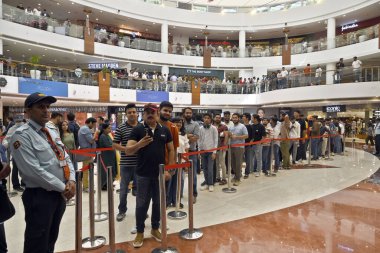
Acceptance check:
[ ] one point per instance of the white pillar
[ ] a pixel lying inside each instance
(129, 67)
(330, 69)
(164, 38)
(1, 53)
(242, 43)
(1, 9)
(165, 70)
(331, 29)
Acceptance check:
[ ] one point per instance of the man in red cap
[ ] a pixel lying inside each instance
(148, 141)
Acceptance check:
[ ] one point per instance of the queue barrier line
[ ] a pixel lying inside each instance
(177, 166)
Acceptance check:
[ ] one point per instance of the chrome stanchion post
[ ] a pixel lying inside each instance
(164, 240)
(78, 212)
(99, 215)
(177, 214)
(271, 173)
(111, 212)
(11, 194)
(309, 149)
(191, 233)
(229, 189)
(92, 242)
(329, 148)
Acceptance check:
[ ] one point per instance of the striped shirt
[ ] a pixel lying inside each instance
(122, 135)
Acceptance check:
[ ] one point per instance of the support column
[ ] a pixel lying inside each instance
(330, 69)
(164, 37)
(242, 44)
(1, 54)
(331, 30)
(165, 70)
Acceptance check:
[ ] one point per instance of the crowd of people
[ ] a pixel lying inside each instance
(40, 145)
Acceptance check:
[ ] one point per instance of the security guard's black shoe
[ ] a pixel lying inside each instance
(19, 189)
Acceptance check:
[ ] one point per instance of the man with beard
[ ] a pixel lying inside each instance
(166, 109)
(192, 131)
(238, 134)
(150, 142)
(221, 154)
(226, 118)
(301, 152)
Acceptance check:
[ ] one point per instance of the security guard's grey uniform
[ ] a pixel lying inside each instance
(43, 175)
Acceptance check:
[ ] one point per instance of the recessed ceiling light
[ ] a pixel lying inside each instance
(51, 13)
(72, 2)
(169, 33)
(29, 49)
(45, 49)
(97, 19)
(344, 15)
(43, 55)
(146, 29)
(39, 4)
(101, 11)
(154, 23)
(196, 36)
(174, 27)
(8, 50)
(69, 12)
(55, 60)
(57, 3)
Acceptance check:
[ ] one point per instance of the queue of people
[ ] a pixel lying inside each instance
(41, 148)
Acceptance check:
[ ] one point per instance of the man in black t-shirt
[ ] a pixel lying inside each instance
(148, 141)
(301, 151)
(339, 70)
(258, 133)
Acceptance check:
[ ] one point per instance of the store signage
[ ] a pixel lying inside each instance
(349, 26)
(112, 65)
(152, 96)
(376, 113)
(198, 72)
(334, 108)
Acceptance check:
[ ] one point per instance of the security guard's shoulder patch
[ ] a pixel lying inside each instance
(16, 144)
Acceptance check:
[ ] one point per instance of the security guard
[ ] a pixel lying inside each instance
(48, 173)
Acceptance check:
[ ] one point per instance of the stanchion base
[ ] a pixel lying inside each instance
(177, 215)
(187, 235)
(70, 202)
(116, 251)
(101, 216)
(98, 242)
(168, 250)
(12, 194)
(229, 190)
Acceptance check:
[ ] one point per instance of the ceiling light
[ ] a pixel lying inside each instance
(51, 13)
(29, 49)
(72, 2)
(253, 11)
(101, 11)
(344, 15)
(43, 55)
(97, 19)
(154, 23)
(57, 3)
(45, 49)
(173, 27)
(146, 29)
(69, 12)
(55, 60)
(39, 4)
(8, 50)
(196, 36)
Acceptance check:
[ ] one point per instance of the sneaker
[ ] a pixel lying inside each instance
(181, 206)
(120, 217)
(139, 240)
(257, 174)
(211, 188)
(203, 183)
(204, 187)
(246, 176)
(156, 234)
(134, 230)
(236, 183)
(223, 182)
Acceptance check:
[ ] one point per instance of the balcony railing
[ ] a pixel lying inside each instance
(16, 15)
(49, 73)
(19, 16)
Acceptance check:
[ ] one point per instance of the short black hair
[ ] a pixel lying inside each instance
(207, 115)
(256, 116)
(187, 108)
(247, 115)
(227, 112)
(129, 106)
(55, 115)
(237, 114)
(216, 114)
(10, 118)
(90, 120)
(166, 104)
(70, 116)
(297, 111)
(101, 118)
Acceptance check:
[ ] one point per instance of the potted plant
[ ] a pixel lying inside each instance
(35, 73)
(105, 70)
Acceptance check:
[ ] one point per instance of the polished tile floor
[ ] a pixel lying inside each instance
(333, 207)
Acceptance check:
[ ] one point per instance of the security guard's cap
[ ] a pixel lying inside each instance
(37, 97)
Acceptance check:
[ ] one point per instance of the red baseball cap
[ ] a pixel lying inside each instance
(150, 106)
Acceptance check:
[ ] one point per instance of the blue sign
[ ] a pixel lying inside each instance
(151, 96)
(50, 88)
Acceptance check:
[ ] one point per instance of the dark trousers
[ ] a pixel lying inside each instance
(301, 152)
(195, 159)
(171, 190)
(43, 214)
(126, 175)
(377, 143)
(266, 158)
(147, 189)
(15, 180)
(3, 241)
(369, 139)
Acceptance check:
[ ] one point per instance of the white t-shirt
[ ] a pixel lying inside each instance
(318, 72)
(284, 73)
(356, 64)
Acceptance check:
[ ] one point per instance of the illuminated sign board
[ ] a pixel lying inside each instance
(112, 65)
(349, 26)
(334, 108)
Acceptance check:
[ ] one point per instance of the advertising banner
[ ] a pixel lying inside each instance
(50, 88)
(152, 96)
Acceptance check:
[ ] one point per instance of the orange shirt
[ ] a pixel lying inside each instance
(175, 135)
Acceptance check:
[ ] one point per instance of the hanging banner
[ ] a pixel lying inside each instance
(50, 88)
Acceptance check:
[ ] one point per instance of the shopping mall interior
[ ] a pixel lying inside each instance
(275, 57)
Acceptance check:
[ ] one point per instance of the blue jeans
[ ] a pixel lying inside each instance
(171, 190)
(208, 167)
(266, 158)
(195, 167)
(314, 148)
(248, 160)
(126, 175)
(147, 189)
(257, 151)
(337, 144)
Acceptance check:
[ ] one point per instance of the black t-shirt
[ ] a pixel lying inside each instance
(303, 126)
(151, 156)
(250, 136)
(258, 132)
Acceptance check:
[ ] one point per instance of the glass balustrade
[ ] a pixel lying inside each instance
(19, 16)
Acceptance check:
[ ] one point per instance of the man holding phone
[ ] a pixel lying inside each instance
(149, 141)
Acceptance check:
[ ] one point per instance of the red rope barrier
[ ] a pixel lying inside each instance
(177, 166)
